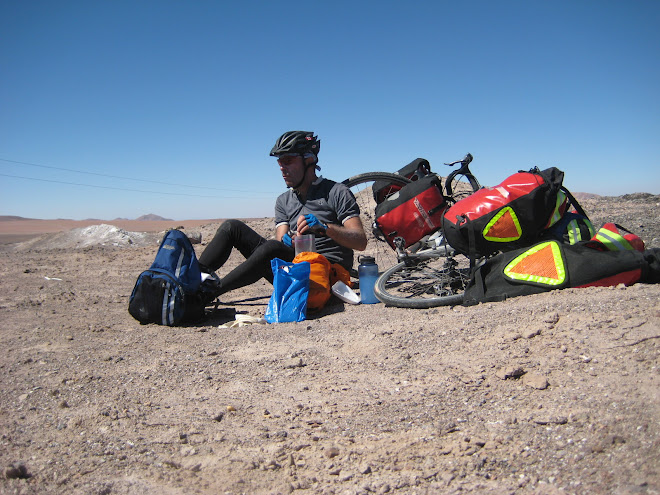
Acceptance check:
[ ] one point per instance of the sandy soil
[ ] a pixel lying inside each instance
(18, 230)
(547, 394)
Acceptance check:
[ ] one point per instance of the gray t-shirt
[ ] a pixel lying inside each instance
(330, 202)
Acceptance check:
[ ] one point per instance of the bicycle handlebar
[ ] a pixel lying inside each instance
(464, 162)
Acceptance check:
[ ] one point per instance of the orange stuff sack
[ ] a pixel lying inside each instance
(319, 279)
(339, 274)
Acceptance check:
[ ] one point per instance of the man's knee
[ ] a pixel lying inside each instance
(229, 226)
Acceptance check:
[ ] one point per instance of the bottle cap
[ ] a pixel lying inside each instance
(367, 260)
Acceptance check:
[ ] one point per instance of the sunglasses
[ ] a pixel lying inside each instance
(287, 158)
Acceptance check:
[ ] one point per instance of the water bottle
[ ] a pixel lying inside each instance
(367, 273)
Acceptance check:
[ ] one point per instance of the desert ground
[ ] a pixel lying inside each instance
(557, 393)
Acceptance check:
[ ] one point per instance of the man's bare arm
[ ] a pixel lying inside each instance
(350, 235)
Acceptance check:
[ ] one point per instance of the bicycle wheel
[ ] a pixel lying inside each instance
(460, 186)
(425, 280)
(366, 187)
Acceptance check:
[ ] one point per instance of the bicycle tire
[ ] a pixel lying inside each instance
(427, 280)
(361, 186)
(459, 186)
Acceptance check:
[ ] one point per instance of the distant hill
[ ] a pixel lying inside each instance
(8, 218)
(153, 218)
(148, 218)
(583, 195)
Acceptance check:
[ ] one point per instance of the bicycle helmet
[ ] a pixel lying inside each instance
(296, 142)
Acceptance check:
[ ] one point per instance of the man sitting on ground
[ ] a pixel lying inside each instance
(311, 205)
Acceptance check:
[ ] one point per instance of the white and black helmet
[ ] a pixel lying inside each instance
(296, 142)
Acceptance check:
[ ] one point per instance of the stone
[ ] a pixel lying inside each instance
(509, 372)
(531, 333)
(332, 452)
(17, 471)
(536, 381)
(195, 237)
(294, 363)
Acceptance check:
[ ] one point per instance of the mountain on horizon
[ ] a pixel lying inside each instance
(150, 217)
(8, 218)
(583, 195)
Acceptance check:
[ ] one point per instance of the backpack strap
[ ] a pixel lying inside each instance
(472, 243)
(574, 202)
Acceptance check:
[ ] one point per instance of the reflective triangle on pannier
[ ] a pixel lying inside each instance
(503, 227)
(542, 264)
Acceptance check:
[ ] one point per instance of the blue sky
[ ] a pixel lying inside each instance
(104, 105)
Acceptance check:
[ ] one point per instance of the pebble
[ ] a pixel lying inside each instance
(509, 372)
(553, 420)
(552, 318)
(293, 363)
(332, 452)
(195, 237)
(536, 381)
(531, 333)
(17, 471)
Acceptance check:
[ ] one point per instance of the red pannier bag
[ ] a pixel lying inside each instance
(413, 212)
(510, 215)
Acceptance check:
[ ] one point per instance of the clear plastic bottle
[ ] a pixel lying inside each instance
(367, 273)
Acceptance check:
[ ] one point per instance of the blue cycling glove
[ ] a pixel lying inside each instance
(314, 224)
(286, 239)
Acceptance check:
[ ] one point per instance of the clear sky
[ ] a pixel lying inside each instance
(105, 105)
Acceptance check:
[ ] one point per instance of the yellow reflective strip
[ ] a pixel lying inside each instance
(573, 232)
(556, 215)
(559, 265)
(537, 279)
(590, 226)
(613, 241)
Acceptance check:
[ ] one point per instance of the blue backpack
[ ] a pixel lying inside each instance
(168, 293)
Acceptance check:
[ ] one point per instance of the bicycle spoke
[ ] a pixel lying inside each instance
(425, 283)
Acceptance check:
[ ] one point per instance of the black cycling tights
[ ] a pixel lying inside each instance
(257, 250)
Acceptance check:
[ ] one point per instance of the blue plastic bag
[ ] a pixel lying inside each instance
(290, 290)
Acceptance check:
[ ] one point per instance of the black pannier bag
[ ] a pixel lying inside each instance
(553, 265)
